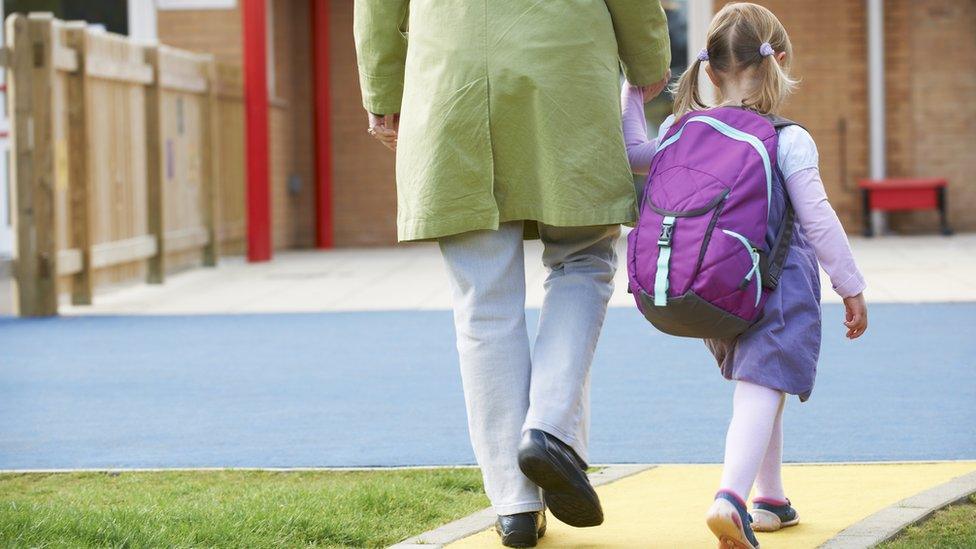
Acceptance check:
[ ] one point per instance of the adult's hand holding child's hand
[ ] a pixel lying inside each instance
(651, 91)
(384, 128)
(856, 318)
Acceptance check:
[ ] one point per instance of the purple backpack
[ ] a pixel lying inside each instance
(713, 232)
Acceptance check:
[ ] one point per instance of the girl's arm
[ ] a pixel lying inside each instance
(824, 231)
(640, 149)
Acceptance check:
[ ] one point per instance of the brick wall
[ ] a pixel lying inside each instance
(898, 88)
(829, 46)
(290, 114)
(364, 185)
(936, 105)
(364, 195)
(212, 31)
(293, 210)
(931, 108)
(930, 97)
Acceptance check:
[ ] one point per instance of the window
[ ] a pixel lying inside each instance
(110, 13)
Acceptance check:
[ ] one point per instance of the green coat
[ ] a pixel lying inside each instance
(509, 109)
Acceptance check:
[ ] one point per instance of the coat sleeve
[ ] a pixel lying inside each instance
(642, 39)
(381, 51)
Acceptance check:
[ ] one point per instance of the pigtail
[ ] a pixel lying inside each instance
(773, 85)
(744, 40)
(685, 91)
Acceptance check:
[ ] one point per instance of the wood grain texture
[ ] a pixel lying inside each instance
(79, 180)
(31, 102)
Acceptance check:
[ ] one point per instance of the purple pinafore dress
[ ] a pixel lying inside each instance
(780, 351)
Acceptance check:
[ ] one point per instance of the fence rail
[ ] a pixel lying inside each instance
(127, 159)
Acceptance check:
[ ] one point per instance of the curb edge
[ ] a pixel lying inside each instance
(892, 520)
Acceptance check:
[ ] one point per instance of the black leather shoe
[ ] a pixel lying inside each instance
(521, 529)
(555, 467)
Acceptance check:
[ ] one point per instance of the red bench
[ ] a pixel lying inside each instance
(904, 194)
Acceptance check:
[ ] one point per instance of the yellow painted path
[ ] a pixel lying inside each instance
(665, 506)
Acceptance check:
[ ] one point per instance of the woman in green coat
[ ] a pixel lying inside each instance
(505, 118)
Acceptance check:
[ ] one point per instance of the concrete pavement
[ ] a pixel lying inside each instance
(911, 269)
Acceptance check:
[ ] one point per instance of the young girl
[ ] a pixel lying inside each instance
(747, 58)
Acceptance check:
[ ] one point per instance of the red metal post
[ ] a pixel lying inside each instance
(323, 131)
(256, 130)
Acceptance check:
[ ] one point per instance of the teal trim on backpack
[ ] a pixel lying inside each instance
(670, 141)
(754, 255)
(663, 262)
(738, 135)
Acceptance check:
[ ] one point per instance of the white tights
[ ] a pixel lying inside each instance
(754, 443)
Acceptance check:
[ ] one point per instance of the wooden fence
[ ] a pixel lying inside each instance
(127, 160)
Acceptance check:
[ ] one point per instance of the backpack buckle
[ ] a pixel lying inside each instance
(667, 231)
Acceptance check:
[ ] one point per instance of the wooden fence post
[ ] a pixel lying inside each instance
(209, 168)
(31, 78)
(154, 170)
(79, 178)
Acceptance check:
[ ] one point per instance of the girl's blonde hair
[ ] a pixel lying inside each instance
(732, 47)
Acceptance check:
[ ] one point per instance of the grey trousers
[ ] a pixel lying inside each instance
(508, 387)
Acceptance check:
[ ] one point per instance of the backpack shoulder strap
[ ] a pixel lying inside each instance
(776, 260)
(779, 122)
(784, 236)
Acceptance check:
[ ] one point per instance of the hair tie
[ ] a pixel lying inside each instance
(765, 49)
(703, 55)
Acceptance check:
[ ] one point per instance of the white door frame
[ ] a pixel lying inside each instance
(142, 20)
(700, 13)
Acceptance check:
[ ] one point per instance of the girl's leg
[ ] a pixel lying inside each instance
(755, 409)
(769, 482)
(771, 510)
(487, 273)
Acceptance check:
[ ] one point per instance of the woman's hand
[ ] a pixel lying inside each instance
(856, 317)
(653, 90)
(384, 128)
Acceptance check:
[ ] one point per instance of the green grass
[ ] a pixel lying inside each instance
(950, 528)
(232, 508)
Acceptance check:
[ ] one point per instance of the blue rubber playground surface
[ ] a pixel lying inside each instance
(382, 388)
